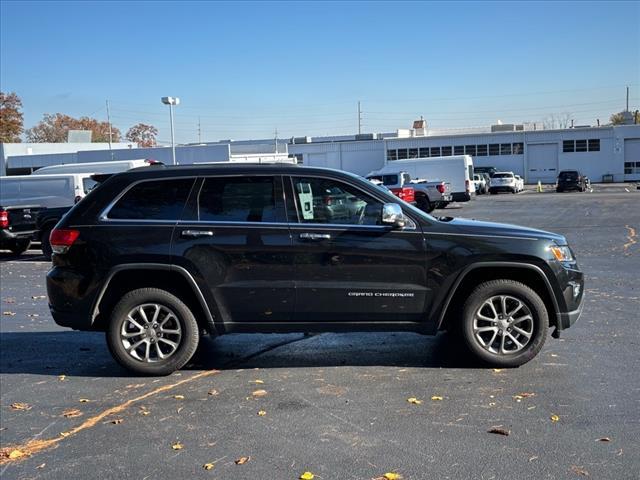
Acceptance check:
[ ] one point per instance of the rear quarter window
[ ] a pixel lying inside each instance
(153, 200)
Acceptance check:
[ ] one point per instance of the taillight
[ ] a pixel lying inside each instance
(441, 187)
(407, 194)
(4, 219)
(62, 238)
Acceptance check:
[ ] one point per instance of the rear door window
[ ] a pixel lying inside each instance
(240, 199)
(153, 200)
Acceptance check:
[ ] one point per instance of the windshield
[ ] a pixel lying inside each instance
(503, 175)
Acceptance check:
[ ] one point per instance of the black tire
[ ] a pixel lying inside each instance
(424, 204)
(492, 192)
(187, 344)
(538, 325)
(45, 244)
(20, 246)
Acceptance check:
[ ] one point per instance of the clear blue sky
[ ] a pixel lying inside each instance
(248, 68)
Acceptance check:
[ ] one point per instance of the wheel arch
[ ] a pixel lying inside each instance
(526, 273)
(172, 278)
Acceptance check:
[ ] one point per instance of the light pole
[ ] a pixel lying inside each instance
(171, 101)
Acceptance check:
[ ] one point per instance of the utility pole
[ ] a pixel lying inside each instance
(276, 141)
(109, 122)
(627, 109)
(199, 132)
(359, 119)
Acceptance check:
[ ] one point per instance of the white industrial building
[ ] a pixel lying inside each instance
(607, 153)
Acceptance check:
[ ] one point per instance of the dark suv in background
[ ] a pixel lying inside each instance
(571, 180)
(157, 256)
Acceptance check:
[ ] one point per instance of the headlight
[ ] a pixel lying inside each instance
(561, 253)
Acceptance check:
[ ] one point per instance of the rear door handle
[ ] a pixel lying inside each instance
(197, 233)
(315, 236)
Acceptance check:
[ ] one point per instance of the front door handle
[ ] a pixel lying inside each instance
(197, 233)
(315, 236)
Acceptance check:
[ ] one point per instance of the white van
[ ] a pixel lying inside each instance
(48, 191)
(457, 170)
(95, 167)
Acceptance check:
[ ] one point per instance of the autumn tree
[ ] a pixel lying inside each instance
(55, 128)
(144, 135)
(619, 118)
(10, 118)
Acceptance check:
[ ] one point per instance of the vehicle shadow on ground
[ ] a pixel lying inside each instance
(28, 256)
(85, 354)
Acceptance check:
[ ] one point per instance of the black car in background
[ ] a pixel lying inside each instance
(17, 227)
(571, 180)
(155, 257)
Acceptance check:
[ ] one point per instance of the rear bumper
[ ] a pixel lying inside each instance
(502, 188)
(460, 196)
(7, 237)
(70, 298)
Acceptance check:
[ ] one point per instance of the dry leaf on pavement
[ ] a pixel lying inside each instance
(71, 413)
(554, 418)
(604, 439)
(436, 398)
(414, 401)
(258, 381)
(389, 476)
(259, 393)
(84, 400)
(179, 397)
(213, 392)
(15, 454)
(307, 476)
(177, 446)
(20, 406)
(579, 471)
(117, 421)
(9, 314)
(261, 413)
(62, 378)
(499, 431)
(242, 460)
(208, 466)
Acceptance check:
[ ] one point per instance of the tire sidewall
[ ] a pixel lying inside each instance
(45, 243)
(188, 324)
(524, 294)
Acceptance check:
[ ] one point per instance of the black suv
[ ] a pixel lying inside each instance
(157, 256)
(571, 180)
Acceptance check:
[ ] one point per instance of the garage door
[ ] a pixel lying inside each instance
(632, 159)
(542, 162)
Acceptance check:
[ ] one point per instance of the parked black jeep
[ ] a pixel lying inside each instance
(571, 180)
(17, 227)
(155, 257)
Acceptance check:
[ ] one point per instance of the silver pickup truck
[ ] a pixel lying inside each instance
(429, 195)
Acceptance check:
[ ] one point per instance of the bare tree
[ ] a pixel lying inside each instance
(557, 121)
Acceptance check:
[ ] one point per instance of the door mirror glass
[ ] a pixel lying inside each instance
(392, 215)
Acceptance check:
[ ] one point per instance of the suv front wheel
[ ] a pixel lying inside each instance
(152, 332)
(504, 323)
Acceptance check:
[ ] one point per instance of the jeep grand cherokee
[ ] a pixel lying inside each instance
(158, 256)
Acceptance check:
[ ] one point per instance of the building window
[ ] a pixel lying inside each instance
(594, 145)
(413, 153)
(470, 150)
(628, 168)
(446, 151)
(392, 154)
(568, 146)
(435, 151)
(581, 145)
(402, 154)
(458, 150)
(481, 151)
(518, 148)
(505, 149)
(494, 149)
(424, 152)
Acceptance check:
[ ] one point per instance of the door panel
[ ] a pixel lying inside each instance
(350, 268)
(240, 248)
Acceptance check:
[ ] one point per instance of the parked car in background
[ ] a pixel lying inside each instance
(426, 195)
(488, 170)
(17, 227)
(116, 166)
(571, 180)
(503, 182)
(487, 180)
(519, 183)
(157, 257)
(61, 190)
(480, 183)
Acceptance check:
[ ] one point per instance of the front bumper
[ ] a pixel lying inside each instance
(566, 319)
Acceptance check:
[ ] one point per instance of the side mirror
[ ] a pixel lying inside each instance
(392, 215)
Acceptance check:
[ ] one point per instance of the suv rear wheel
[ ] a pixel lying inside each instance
(20, 246)
(152, 332)
(504, 323)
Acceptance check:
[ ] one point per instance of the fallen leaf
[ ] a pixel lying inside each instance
(145, 412)
(604, 439)
(414, 401)
(177, 446)
(392, 476)
(554, 418)
(213, 392)
(15, 454)
(33, 315)
(526, 395)
(38, 297)
(41, 466)
(20, 406)
(307, 476)
(179, 397)
(436, 398)
(579, 471)
(208, 466)
(117, 421)
(259, 381)
(62, 378)
(242, 460)
(64, 434)
(498, 370)
(84, 400)
(72, 413)
(261, 413)
(259, 393)
(535, 457)
(9, 314)
(499, 431)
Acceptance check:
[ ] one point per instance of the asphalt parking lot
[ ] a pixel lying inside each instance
(336, 404)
